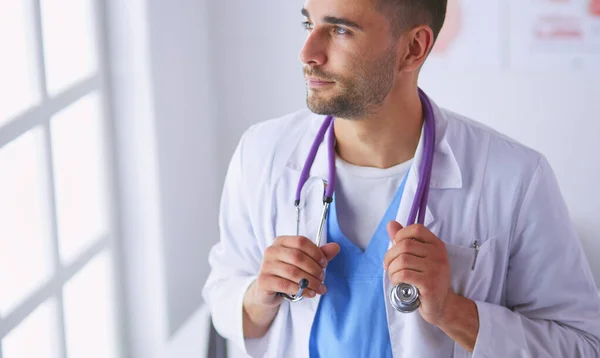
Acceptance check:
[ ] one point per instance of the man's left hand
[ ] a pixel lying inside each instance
(419, 258)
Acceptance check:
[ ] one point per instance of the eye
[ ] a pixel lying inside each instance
(340, 31)
(307, 25)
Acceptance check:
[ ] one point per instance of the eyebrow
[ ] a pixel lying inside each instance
(335, 20)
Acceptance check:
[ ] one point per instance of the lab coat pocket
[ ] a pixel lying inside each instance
(472, 274)
(472, 268)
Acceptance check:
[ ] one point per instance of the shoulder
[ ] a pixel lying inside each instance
(268, 134)
(498, 154)
(266, 146)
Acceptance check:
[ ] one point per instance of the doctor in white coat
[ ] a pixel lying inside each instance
(497, 262)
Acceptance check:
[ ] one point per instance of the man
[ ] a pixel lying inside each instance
(497, 264)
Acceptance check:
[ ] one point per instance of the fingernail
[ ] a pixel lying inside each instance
(322, 289)
(323, 262)
(311, 294)
(322, 277)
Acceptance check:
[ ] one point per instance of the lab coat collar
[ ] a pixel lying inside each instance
(445, 173)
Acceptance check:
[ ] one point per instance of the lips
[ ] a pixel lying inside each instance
(317, 82)
(316, 79)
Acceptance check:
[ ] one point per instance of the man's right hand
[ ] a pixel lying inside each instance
(284, 264)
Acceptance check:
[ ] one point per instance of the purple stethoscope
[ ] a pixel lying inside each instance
(403, 297)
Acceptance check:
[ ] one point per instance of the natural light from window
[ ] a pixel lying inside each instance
(17, 61)
(25, 239)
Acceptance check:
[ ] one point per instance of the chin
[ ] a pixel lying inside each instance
(319, 103)
(316, 109)
(313, 103)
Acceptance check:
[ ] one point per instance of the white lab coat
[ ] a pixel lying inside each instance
(532, 284)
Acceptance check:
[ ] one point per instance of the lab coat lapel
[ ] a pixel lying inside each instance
(410, 190)
(445, 172)
(445, 175)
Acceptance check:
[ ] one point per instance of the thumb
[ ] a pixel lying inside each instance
(330, 250)
(392, 228)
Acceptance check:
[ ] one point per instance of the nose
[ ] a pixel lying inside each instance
(313, 51)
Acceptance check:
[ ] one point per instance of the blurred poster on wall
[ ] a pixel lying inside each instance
(554, 34)
(471, 36)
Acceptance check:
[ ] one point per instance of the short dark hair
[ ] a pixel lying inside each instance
(406, 14)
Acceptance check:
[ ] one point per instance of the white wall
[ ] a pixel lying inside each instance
(165, 144)
(254, 52)
(137, 175)
(185, 131)
(255, 46)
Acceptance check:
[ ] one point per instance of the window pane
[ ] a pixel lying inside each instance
(36, 336)
(69, 42)
(89, 311)
(18, 70)
(25, 238)
(79, 174)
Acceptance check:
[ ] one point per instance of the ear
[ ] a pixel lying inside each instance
(392, 228)
(419, 45)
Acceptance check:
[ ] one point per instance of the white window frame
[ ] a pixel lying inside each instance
(40, 116)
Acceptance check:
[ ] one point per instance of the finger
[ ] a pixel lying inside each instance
(407, 262)
(417, 232)
(295, 258)
(295, 274)
(408, 276)
(305, 245)
(413, 247)
(392, 228)
(330, 250)
(274, 284)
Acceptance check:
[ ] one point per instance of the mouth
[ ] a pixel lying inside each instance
(317, 82)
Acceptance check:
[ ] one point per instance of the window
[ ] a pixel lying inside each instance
(57, 272)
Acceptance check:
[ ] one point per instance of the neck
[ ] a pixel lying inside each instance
(387, 137)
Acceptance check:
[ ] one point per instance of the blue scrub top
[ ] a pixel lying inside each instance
(351, 319)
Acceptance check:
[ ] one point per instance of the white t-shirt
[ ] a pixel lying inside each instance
(363, 195)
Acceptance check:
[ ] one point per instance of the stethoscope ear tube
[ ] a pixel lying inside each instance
(303, 284)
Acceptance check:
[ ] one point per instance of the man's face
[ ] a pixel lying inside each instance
(349, 57)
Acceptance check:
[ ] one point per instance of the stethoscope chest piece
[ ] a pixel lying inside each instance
(405, 298)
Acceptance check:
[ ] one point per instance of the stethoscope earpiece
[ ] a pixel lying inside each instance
(302, 285)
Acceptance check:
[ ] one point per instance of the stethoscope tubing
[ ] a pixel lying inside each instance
(403, 297)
